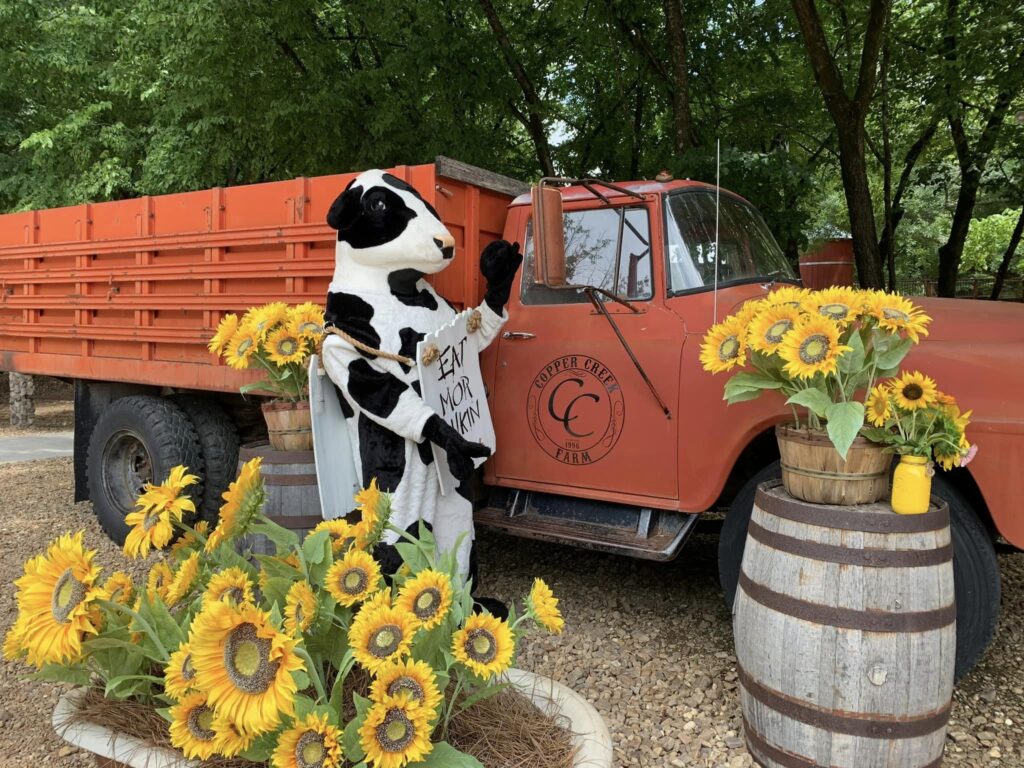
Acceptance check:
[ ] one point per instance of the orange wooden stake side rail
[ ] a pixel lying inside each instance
(131, 291)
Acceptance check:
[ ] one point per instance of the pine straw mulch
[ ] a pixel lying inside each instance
(503, 731)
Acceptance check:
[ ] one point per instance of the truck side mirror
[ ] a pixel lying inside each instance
(548, 237)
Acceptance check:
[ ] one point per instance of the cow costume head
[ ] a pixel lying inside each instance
(384, 227)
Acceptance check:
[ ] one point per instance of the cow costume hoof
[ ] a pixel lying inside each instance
(389, 238)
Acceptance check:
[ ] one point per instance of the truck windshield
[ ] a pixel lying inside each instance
(747, 250)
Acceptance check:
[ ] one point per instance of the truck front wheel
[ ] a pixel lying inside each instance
(137, 440)
(975, 568)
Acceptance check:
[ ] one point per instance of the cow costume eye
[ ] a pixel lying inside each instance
(377, 205)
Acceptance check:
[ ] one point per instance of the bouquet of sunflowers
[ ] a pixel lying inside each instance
(911, 417)
(278, 338)
(822, 350)
(306, 659)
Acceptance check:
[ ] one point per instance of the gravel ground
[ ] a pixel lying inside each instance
(649, 644)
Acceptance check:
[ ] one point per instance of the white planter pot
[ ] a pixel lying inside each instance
(589, 731)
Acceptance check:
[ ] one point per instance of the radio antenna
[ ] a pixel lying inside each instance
(718, 179)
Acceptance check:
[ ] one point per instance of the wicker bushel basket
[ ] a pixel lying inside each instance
(812, 469)
(289, 426)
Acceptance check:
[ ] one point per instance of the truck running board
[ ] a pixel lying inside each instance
(648, 534)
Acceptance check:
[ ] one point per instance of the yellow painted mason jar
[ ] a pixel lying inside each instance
(912, 485)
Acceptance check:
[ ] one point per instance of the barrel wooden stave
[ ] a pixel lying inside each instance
(292, 495)
(833, 678)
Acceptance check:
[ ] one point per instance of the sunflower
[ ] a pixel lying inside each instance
(767, 328)
(158, 580)
(841, 305)
(375, 602)
(192, 727)
(242, 347)
(264, 319)
(947, 460)
(179, 673)
(299, 608)
(226, 329)
(239, 503)
(230, 738)
(307, 320)
(428, 596)
(544, 605)
(381, 636)
(343, 534)
(245, 664)
(877, 404)
(417, 678)
(812, 347)
(894, 313)
(484, 644)
(369, 501)
(309, 743)
(353, 578)
(55, 602)
(396, 732)
(231, 585)
(748, 311)
(787, 294)
(119, 588)
(913, 391)
(157, 509)
(724, 346)
(188, 540)
(283, 347)
(14, 640)
(184, 579)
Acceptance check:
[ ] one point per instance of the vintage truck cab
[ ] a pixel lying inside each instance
(611, 436)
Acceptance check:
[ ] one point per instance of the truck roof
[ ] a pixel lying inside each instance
(644, 186)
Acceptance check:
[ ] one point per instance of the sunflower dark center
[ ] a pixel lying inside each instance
(286, 347)
(427, 603)
(200, 723)
(385, 640)
(396, 732)
(835, 310)
(247, 660)
(309, 750)
(354, 581)
(480, 646)
(895, 314)
(309, 327)
(244, 345)
(913, 391)
(777, 330)
(814, 348)
(234, 595)
(67, 594)
(299, 614)
(406, 683)
(150, 520)
(729, 348)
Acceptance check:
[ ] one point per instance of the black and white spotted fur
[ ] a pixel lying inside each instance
(388, 239)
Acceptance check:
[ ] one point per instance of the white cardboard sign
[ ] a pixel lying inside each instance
(453, 387)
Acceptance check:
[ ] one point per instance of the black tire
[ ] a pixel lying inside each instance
(136, 440)
(975, 568)
(218, 443)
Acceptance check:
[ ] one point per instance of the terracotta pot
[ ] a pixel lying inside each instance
(289, 425)
(912, 485)
(812, 469)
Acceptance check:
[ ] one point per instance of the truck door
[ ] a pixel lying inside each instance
(572, 412)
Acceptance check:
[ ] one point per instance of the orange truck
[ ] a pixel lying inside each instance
(610, 436)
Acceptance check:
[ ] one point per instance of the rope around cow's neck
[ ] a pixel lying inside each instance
(406, 361)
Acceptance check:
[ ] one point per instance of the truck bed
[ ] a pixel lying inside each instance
(131, 290)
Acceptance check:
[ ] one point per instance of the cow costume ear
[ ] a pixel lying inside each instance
(346, 209)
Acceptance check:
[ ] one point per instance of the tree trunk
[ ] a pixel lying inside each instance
(531, 120)
(951, 251)
(848, 113)
(682, 121)
(1011, 250)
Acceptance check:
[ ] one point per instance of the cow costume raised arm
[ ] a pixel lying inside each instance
(389, 237)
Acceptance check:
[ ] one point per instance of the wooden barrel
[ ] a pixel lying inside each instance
(830, 263)
(292, 496)
(289, 425)
(845, 634)
(814, 471)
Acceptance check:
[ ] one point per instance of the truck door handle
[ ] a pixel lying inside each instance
(518, 335)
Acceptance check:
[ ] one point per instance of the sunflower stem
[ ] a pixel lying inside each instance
(313, 671)
(449, 710)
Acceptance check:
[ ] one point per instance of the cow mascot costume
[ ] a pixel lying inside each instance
(389, 237)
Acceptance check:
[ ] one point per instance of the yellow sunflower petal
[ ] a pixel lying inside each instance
(485, 645)
(353, 578)
(396, 732)
(812, 347)
(428, 596)
(312, 741)
(192, 727)
(417, 678)
(914, 391)
(544, 605)
(299, 608)
(381, 636)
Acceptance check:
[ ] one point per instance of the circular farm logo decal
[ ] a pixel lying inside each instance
(576, 410)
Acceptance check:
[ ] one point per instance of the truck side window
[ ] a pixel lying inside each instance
(596, 241)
